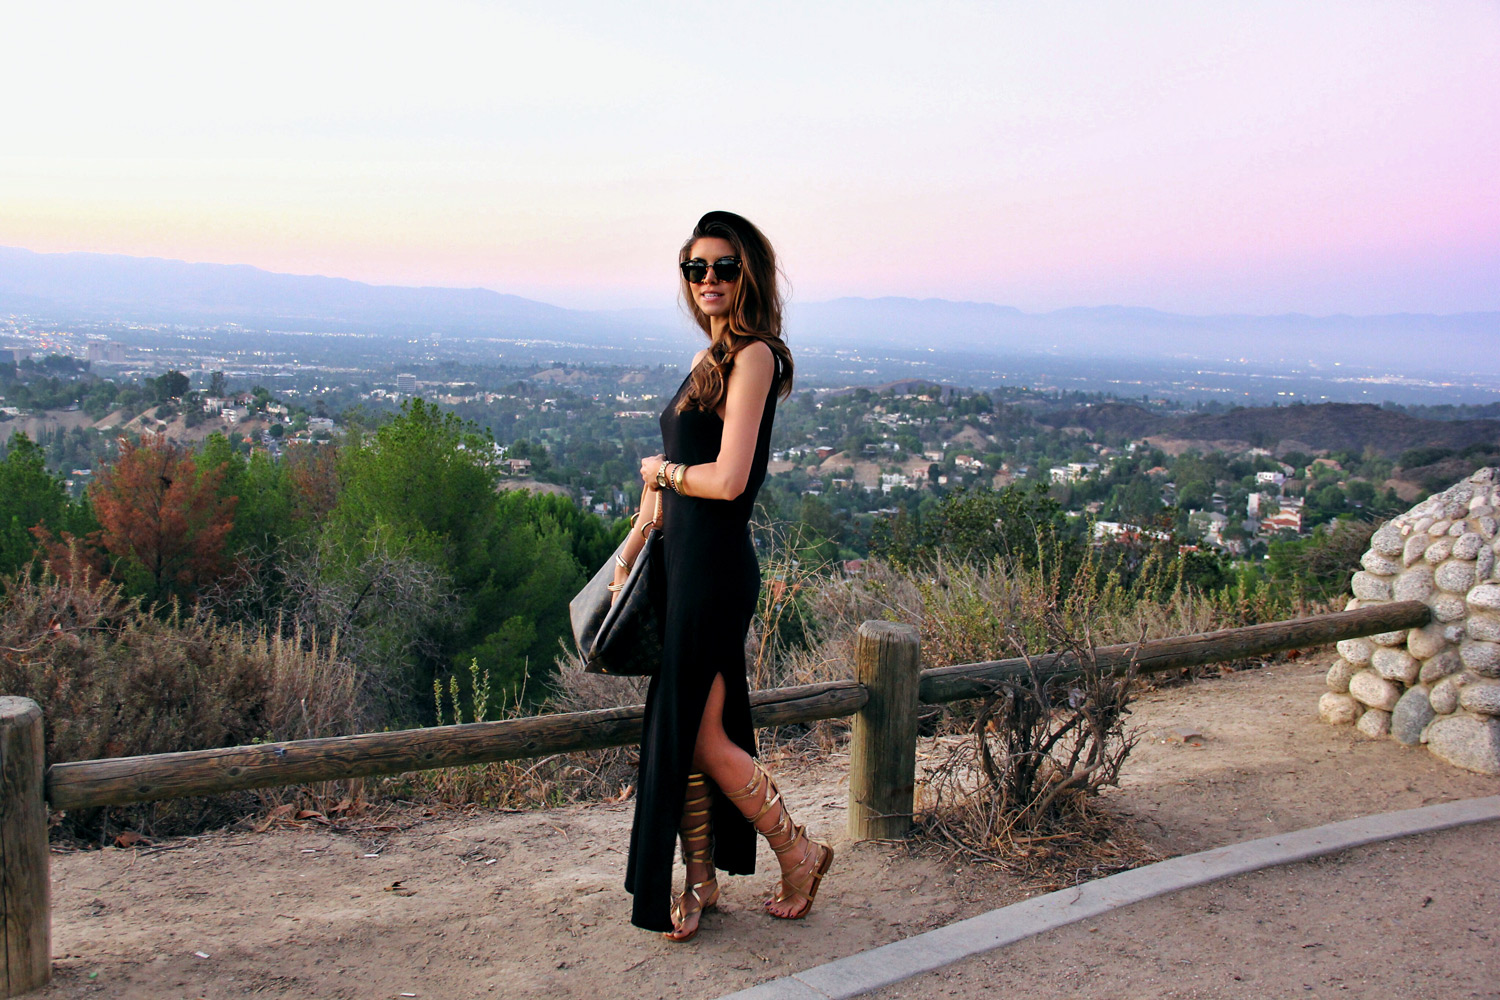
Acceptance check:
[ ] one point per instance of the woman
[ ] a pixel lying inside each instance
(698, 776)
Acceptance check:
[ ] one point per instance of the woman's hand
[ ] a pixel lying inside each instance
(649, 466)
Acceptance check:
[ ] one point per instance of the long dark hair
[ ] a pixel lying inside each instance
(754, 315)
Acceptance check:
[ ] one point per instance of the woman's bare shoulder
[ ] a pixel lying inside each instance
(697, 358)
(756, 356)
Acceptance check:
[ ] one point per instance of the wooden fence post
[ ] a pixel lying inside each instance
(883, 750)
(25, 891)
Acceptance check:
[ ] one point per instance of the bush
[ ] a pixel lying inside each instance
(115, 680)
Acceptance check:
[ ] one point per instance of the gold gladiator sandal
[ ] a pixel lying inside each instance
(697, 845)
(762, 788)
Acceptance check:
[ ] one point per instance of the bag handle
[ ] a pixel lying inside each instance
(646, 526)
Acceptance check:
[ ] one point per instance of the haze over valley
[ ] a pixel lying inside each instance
(261, 320)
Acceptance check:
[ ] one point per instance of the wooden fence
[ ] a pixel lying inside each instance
(883, 697)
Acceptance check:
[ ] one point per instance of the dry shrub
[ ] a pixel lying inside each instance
(113, 679)
(558, 779)
(1020, 789)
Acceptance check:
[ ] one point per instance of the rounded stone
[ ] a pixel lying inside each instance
(1485, 475)
(1340, 674)
(1370, 587)
(1455, 576)
(1438, 551)
(1486, 596)
(1457, 528)
(1484, 564)
(1468, 742)
(1442, 665)
(1486, 526)
(1415, 546)
(1396, 638)
(1444, 697)
(1484, 625)
(1395, 665)
(1414, 584)
(1352, 603)
(1374, 723)
(1424, 643)
(1410, 716)
(1356, 651)
(1467, 546)
(1338, 709)
(1447, 607)
(1369, 688)
(1379, 564)
(1481, 657)
(1387, 539)
(1481, 699)
(1438, 528)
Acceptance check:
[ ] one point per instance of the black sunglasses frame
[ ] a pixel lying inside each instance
(699, 267)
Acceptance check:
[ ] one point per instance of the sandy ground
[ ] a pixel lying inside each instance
(531, 904)
(1372, 922)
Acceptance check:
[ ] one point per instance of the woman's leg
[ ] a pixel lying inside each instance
(737, 773)
(696, 828)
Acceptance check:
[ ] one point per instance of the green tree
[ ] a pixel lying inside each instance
(425, 483)
(172, 385)
(29, 496)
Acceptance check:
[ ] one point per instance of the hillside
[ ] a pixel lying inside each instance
(1320, 427)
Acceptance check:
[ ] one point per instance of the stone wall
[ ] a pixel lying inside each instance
(1438, 685)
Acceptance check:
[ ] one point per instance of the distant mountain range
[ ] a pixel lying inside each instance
(101, 286)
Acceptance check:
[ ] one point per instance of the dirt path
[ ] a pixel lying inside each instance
(531, 904)
(1372, 922)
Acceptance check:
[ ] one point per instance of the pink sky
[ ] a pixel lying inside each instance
(1267, 157)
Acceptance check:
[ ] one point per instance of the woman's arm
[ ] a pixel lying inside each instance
(744, 402)
(635, 541)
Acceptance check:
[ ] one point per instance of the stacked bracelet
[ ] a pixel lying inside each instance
(614, 588)
(674, 477)
(620, 562)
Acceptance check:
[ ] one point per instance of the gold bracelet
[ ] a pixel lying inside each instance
(620, 562)
(677, 478)
(614, 588)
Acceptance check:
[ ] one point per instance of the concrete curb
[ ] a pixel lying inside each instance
(891, 963)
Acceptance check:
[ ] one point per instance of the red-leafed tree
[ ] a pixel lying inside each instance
(162, 520)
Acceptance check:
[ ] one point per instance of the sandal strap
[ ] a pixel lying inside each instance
(807, 888)
(697, 839)
(763, 787)
(752, 787)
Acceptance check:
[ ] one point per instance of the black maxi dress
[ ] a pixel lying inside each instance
(710, 585)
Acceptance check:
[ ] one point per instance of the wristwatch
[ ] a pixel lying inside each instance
(661, 475)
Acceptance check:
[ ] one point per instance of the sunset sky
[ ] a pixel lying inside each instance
(1197, 157)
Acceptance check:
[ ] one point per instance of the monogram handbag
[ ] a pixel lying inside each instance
(623, 637)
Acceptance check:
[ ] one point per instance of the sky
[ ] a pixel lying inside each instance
(1196, 157)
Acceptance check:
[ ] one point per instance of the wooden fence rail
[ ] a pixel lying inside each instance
(883, 699)
(119, 780)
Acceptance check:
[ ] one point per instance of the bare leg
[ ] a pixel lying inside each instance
(696, 827)
(731, 768)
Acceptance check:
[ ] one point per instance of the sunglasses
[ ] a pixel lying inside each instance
(725, 269)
